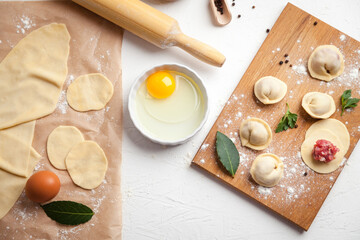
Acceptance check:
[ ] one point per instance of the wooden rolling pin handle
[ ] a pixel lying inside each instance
(200, 50)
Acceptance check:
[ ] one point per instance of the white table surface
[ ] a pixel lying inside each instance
(164, 197)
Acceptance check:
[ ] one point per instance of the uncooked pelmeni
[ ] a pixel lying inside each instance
(32, 75)
(267, 169)
(318, 105)
(60, 142)
(255, 133)
(270, 90)
(89, 92)
(87, 164)
(326, 63)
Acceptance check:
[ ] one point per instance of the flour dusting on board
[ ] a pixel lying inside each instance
(299, 182)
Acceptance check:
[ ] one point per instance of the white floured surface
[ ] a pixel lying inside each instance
(164, 198)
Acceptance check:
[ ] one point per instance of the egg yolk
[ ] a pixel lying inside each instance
(160, 84)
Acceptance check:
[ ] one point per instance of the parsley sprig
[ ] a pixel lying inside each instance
(287, 121)
(347, 101)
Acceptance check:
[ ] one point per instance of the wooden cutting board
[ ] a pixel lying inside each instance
(301, 192)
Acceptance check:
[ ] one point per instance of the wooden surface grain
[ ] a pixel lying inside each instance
(301, 192)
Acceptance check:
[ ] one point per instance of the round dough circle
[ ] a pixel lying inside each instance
(267, 169)
(326, 63)
(60, 142)
(89, 92)
(255, 133)
(334, 126)
(270, 90)
(308, 146)
(318, 105)
(87, 164)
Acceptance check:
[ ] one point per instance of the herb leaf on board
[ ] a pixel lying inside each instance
(347, 101)
(287, 121)
(227, 153)
(68, 212)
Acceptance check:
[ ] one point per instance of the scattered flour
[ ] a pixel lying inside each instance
(62, 105)
(342, 37)
(202, 161)
(204, 146)
(24, 24)
(300, 69)
(264, 190)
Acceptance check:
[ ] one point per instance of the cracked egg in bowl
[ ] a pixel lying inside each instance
(168, 104)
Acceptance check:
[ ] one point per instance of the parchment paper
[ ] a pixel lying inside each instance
(95, 47)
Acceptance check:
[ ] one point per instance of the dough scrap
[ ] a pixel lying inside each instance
(318, 105)
(32, 75)
(15, 144)
(255, 133)
(270, 90)
(13, 185)
(60, 142)
(87, 164)
(267, 169)
(326, 63)
(308, 146)
(89, 92)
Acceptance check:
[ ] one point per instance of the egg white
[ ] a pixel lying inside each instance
(174, 117)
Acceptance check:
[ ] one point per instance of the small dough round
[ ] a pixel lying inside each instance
(318, 105)
(326, 63)
(267, 169)
(270, 90)
(308, 146)
(255, 133)
(87, 164)
(333, 125)
(60, 142)
(89, 92)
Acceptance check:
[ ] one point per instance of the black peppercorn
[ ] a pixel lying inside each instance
(281, 62)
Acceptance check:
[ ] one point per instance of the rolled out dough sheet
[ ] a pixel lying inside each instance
(95, 46)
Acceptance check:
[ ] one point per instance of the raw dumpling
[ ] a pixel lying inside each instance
(270, 90)
(331, 130)
(255, 133)
(318, 105)
(326, 63)
(267, 169)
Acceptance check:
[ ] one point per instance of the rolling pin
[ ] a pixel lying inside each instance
(153, 26)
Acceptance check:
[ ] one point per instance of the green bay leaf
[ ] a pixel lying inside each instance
(227, 153)
(68, 212)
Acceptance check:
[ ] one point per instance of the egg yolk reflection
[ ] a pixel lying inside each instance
(160, 84)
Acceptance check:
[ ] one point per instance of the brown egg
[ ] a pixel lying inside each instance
(42, 186)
